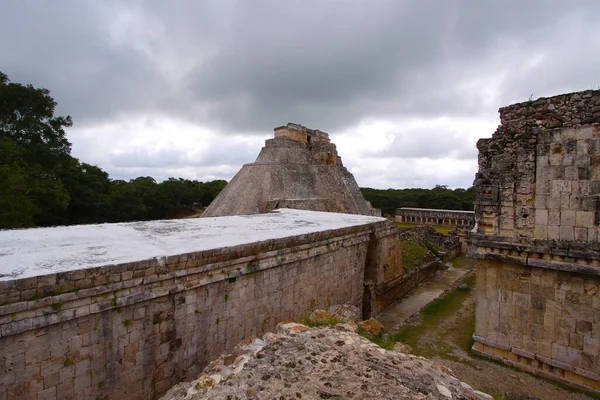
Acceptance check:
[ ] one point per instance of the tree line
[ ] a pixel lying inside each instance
(440, 197)
(41, 184)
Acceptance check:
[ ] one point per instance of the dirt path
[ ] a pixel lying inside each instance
(442, 332)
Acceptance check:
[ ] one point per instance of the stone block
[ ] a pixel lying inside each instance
(559, 186)
(595, 187)
(567, 219)
(581, 234)
(47, 394)
(572, 173)
(583, 160)
(37, 355)
(53, 365)
(576, 341)
(565, 201)
(584, 147)
(542, 175)
(576, 202)
(553, 233)
(591, 344)
(584, 133)
(586, 173)
(553, 217)
(584, 187)
(82, 382)
(556, 136)
(540, 201)
(553, 203)
(541, 217)
(50, 379)
(584, 219)
(556, 172)
(540, 232)
(556, 159)
(542, 187)
(566, 233)
(568, 160)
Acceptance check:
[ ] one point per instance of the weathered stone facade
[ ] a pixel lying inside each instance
(537, 207)
(299, 168)
(426, 216)
(132, 331)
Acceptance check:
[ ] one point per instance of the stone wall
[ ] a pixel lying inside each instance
(542, 320)
(537, 205)
(384, 275)
(134, 330)
(426, 216)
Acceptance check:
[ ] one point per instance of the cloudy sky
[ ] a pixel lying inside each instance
(193, 88)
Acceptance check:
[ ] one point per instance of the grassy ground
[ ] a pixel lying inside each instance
(430, 317)
(443, 229)
(413, 255)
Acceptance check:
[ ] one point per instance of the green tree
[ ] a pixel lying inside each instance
(210, 190)
(88, 189)
(125, 203)
(17, 208)
(438, 197)
(34, 145)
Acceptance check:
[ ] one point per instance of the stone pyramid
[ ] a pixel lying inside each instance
(299, 168)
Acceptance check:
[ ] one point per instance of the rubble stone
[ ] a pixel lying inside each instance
(371, 327)
(314, 363)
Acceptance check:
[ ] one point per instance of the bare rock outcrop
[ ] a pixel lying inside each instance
(321, 363)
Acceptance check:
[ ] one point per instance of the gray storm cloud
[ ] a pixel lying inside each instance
(245, 65)
(238, 67)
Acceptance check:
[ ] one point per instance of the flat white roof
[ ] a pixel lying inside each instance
(433, 209)
(40, 251)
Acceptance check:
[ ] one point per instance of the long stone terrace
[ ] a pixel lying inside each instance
(129, 310)
(428, 216)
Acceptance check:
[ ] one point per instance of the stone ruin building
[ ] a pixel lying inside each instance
(428, 216)
(299, 168)
(538, 214)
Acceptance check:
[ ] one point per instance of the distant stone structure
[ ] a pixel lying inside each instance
(538, 214)
(299, 168)
(427, 216)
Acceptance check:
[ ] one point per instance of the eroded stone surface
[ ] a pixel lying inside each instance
(321, 363)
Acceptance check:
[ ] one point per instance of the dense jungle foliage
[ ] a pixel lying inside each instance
(41, 184)
(440, 197)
